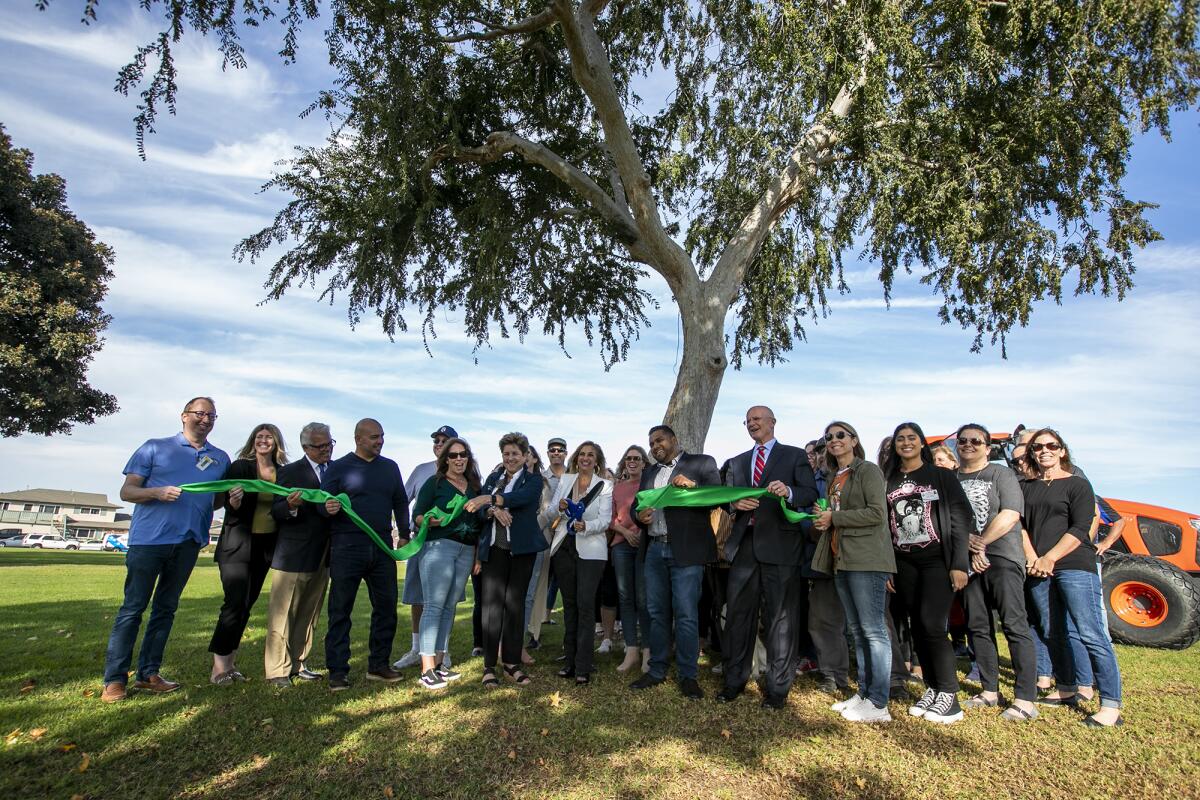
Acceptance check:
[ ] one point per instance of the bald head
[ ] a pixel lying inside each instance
(760, 424)
(368, 439)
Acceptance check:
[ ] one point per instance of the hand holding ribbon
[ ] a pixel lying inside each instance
(709, 496)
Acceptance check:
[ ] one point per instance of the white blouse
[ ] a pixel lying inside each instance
(591, 542)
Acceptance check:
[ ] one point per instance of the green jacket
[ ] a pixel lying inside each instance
(864, 540)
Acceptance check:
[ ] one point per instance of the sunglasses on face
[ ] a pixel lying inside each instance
(829, 437)
(458, 454)
(1053, 447)
(972, 441)
(556, 450)
(633, 458)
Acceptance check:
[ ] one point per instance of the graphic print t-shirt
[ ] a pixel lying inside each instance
(910, 510)
(991, 490)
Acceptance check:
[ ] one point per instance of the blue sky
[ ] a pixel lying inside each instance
(1119, 380)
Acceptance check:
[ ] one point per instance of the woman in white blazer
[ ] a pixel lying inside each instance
(578, 552)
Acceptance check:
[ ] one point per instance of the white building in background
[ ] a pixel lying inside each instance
(80, 515)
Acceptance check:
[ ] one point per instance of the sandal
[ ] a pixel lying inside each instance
(489, 677)
(1092, 722)
(1014, 714)
(519, 677)
(223, 679)
(979, 701)
(1071, 700)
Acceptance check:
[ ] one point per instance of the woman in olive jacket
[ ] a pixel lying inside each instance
(856, 547)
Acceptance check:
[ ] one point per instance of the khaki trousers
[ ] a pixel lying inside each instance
(295, 607)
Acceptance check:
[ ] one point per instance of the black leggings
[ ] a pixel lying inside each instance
(242, 577)
(923, 585)
(504, 579)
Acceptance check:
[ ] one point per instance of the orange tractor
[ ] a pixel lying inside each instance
(1151, 574)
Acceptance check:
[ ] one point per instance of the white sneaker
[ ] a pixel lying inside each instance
(867, 711)
(849, 702)
(605, 646)
(919, 708)
(944, 709)
(409, 659)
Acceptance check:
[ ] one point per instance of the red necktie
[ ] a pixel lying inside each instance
(760, 461)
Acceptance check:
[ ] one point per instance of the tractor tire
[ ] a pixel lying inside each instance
(1150, 602)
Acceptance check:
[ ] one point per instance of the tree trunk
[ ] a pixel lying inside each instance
(701, 368)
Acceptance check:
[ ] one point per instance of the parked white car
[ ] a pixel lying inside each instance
(95, 546)
(48, 541)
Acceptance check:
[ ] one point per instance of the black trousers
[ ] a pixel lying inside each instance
(477, 611)
(242, 574)
(578, 580)
(805, 647)
(1001, 588)
(766, 591)
(712, 616)
(350, 563)
(923, 585)
(827, 626)
(504, 579)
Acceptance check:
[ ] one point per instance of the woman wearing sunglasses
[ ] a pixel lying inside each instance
(931, 522)
(631, 584)
(1059, 508)
(856, 549)
(579, 552)
(447, 556)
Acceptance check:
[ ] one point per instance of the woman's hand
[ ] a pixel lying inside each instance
(979, 562)
(476, 503)
(476, 567)
(579, 525)
(1043, 567)
(435, 522)
(823, 521)
(632, 537)
(890, 585)
(562, 505)
(236, 494)
(503, 517)
(958, 579)
(976, 544)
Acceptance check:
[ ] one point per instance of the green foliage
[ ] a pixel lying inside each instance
(982, 149)
(53, 277)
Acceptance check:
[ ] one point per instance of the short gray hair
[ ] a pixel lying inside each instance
(313, 427)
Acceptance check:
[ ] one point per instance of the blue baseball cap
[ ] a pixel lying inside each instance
(446, 431)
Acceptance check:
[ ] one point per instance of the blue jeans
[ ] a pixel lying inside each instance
(631, 589)
(538, 564)
(673, 588)
(864, 599)
(351, 561)
(1075, 597)
(445, 565)
(1037, 603)
(161, 571)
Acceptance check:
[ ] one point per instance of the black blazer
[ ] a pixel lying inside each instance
(303, 544)
(776, 541)
(234, 544)
(525, 535)
(690, 529)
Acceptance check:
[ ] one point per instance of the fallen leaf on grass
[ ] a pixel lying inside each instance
(860, 783)
(13, 735)
(37, 733)
(28, 686)
(541, 762)
(388, 792)
(268, 721)
(76, 797)
(555, 700)
(85, 763)
(89, 692)
(503, 733)
(68, 747)
(727, 733)
(512, 755)
(31, 639)
(545, 731)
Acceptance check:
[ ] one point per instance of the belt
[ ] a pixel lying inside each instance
(664, 539)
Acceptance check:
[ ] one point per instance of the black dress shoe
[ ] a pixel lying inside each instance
(646, 681)
(566, 672)
(691, 689)
(774, 702)
(828, 686)
(728, 694)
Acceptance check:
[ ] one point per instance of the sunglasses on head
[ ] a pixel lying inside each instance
(1053, 447)
(829, 437)
(458, 454)
(971, 440)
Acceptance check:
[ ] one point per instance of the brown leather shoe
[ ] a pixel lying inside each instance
(157, 684)
(114, 692)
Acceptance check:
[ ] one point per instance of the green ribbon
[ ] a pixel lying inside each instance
(702, 496)
(406, 552)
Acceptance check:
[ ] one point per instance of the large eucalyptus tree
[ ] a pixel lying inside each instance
(494, 156)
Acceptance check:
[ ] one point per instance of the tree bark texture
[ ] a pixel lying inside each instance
(702, 366)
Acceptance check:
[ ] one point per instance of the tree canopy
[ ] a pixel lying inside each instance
(53, 277)
(495, 156)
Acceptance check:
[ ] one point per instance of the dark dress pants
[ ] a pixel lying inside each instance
(770, 591)
(504, 579)
(242, 575)
(578, 580)
(827, 624)
(477, 611)
(1001, 587)
(350, 563)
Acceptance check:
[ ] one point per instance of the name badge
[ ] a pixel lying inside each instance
(930, 495)
(204, 462)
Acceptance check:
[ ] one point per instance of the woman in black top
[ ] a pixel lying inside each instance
(1059, 509)
(931, 522)
(447, 556)
(245, 548)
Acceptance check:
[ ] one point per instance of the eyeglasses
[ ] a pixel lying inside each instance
(1053, 447)
(633, 458)
(557, 450)
(438, 442)
(204, 415)
(972, 441)
(458, 455)
(829, 437)
(318, 447)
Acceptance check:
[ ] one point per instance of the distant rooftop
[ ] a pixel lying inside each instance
(59, 497)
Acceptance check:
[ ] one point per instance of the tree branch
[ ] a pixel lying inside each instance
(535, 22)
(502, 142)
(814, 150)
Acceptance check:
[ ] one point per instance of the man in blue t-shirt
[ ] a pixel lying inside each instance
(168, 529)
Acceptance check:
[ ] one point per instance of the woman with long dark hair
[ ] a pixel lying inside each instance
(245, 548)
(631, 579)
(931, 522)
(447, 557)
(1059, 509)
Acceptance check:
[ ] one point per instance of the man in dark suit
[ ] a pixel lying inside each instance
(300, 567)
(679, 542)
(765, 552)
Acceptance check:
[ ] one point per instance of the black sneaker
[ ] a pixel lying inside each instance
(691, 689)
(432, 679)
(385, 674)
(532, 644)
(646, 681)
(445, 673)
(338, 683)
(944, 709)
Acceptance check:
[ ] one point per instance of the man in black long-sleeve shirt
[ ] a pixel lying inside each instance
(376, 492)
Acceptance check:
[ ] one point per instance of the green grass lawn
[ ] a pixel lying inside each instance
(549, 739)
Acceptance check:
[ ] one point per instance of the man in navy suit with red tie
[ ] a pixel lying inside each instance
(765, 552)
